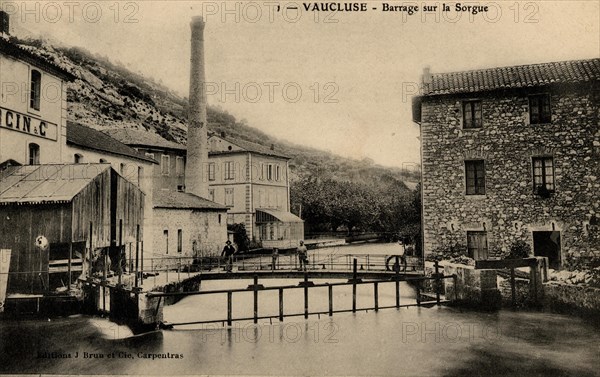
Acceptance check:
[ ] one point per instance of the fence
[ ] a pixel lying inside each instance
(307, 286)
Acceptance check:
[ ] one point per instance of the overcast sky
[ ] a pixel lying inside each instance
(354, 74)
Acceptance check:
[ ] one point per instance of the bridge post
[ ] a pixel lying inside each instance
(438, 282)
(255, 298)
(330, 291)
(354, 276)
(305, 294)
(397, 283)
(376, 295)
(229, 307)
(281, 304)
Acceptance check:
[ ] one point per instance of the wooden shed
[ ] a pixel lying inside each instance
(62, 221)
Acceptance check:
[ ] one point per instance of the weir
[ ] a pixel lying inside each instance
(141, 308)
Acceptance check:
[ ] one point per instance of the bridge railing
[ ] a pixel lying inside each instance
(307, 286)
(282, 262)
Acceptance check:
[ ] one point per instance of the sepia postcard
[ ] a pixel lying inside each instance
(300, 188)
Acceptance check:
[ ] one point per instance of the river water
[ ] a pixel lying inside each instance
(409, 341)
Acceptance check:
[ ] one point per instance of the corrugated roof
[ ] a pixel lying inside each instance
(46, 183)
(248, 146)
(90, 138)
(132, 136)
(574, 71)
(183, 200)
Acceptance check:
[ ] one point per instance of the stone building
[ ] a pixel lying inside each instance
(512, 154)
(253, 181)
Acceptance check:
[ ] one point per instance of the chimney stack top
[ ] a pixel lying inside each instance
(197, 21)
(272, 147)
(427, 76)
(223, 134)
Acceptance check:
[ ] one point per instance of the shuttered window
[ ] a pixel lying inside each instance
(229, 197)
(36, 89)
(472, 114)
(539, 109)
(475, 177)
(211, 171)
(179, 240)
(229, 170)
(543, 173)
(477, 245)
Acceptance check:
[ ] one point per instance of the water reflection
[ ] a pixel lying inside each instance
(409, 341)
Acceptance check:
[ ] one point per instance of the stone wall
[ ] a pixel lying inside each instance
(472, 288)
(509, 210)
(201, 227)
(573, 299)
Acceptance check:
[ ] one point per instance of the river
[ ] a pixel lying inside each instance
(410, 341)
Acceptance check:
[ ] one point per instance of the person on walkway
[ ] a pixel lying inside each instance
(402, 254)
(228, 252)
(274, 257)
(302, 256)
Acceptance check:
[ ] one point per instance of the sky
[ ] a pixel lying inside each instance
(338, 81)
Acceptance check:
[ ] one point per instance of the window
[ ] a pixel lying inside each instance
(475, 174)
(263, 173)
(211, 171)
(151, 155)
(179, 166)
(270, 172)
(477, 245)
(166, 240)
(219, 218)
(34, 154)
(230, 218)
(229, 172)
(543, 173)
(102, 161)
(179, 241)
(472, 114)
(277, 172)
(229, 197)
(140, 175)
(36, 86)
(211, 194)
(539, 109)
(77, 158)
(122, 169)
(164, 164)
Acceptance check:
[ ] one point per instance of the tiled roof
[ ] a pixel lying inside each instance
(183, 200)
(132, 136)
(46, 183)
(574, 71)
(90, 138)
(248, 146)
(22, 53)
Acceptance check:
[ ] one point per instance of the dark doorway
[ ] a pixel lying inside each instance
(547, 244)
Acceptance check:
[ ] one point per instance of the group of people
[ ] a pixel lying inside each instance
(301, 250)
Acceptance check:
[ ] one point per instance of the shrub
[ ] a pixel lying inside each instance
(519, 249)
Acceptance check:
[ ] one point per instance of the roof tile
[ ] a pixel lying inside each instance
(573, 71)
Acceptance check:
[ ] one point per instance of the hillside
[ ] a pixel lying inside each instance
(108, 95)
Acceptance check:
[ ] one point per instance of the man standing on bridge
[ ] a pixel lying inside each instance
(302, 256)
(228, 252)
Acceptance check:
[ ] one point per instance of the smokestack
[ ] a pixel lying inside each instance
(197, 147)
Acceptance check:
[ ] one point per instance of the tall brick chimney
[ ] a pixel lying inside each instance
(197, 147)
